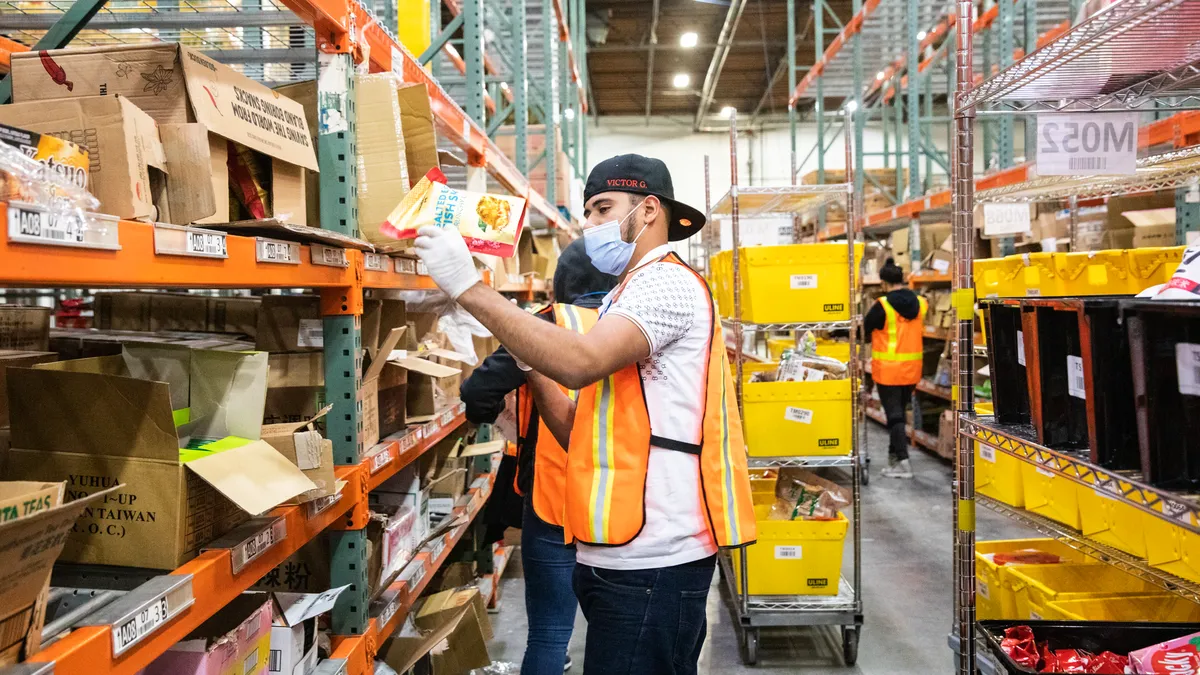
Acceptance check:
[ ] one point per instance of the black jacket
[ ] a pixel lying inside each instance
(903, 300)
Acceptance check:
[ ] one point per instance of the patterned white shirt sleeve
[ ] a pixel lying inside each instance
(661, 299)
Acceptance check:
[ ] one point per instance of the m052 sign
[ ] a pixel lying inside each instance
(1087, 144)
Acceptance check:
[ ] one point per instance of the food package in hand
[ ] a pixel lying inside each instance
(1180, 656)
(489, 223)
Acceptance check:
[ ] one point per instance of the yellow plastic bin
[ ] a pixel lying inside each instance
(1155, 265)
(1159, 608)
(799, 282)
(1050, 495)
(998, 475)
(1172, 548)
(1112, 522)
(795, 418)
(993, 590)
(834, 350)
(793, 557)
(1095, 273)
(776, 347)
(1034, 586)
(765, 485)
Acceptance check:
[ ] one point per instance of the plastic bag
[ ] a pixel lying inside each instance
(499, 668)
(803, 495)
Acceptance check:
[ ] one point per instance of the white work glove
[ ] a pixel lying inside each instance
(520, 364)
(446, 257)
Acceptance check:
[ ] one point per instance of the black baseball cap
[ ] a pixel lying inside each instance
(644, 176)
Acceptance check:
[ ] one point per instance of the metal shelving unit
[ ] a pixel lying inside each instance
(1131, 54)
(845, 609)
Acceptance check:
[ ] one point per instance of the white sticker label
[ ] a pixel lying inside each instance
(271, 251)
(1006, 219)
(319, 506)
(941, 266)
(1033, 292)
(803, 281)
(1087, 144)
(310, 333)
(329, 256)
(405, 266)
(1075, 382)
(380, 460)
(798, 415)
(982, 589)
(987, 454)
(789, 552)
(1187, 368)
(206, 244)
(1034, 616)
(1020, 348)
(397, 63)
(140, 625)
(248, 550)
(33, 226)
(375, 262)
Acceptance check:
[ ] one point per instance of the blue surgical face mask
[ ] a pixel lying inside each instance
(609, 252)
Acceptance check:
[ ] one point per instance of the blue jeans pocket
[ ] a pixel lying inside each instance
(693, 626)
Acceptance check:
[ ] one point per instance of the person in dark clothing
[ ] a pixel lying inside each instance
(895, 326)
(548, 563)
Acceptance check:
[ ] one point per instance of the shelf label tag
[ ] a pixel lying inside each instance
(1187, 368)
(320, 505)
(375, 261)
(143, 610)
(380, 460)
(405, 265)
(397, 63)
(437, 548)
(447, 417)
(206, 244)
(247, 551)
(1033, 292)
(987, 454)
(1076, 386)
(1020, 348)
(30, 225)
(274, 251)
(409, 440)
(803, 281)
(789, 552)
(800, 415)
(389, 610)
(328, 256)
(1006, 219)
(1087, 144)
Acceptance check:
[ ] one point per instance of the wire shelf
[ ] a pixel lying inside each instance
(1165, 171)
(844, 601)
(748, 327)
(756, 201)
(786, 462)
(1179, 510)
(1119, 559)
(1130, 54)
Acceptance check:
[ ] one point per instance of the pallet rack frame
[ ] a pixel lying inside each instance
(846, 608)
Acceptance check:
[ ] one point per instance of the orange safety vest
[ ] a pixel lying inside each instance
(610, 452)
(549, 458)
(898, 350)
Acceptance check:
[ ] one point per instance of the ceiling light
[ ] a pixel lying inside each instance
(850, 106)
(682, 80)
(921, 35)
(880, 75)
(727, 112)
(688, 40)
(569, 113)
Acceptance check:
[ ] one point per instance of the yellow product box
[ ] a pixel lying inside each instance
(1035, 586)
(1051, 495)
(994, 594)
(795, 418)
(793, 557)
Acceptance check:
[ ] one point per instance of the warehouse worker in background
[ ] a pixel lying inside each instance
(530, 487)
(896, 325)
(656, 463)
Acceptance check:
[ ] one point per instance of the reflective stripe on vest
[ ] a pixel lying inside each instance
(893, 333)
(898, 351)
(610, 451)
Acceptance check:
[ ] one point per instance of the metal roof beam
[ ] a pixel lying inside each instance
(724, 43)
(650, 59)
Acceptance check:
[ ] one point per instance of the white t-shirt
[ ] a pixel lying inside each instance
(672, 308)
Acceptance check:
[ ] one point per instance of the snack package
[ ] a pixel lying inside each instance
(1019, 646)
(1067, 661)
(802, 494)
(489, 223)
(1180, 656)
(807, 345)
(1026, 556)
(248, 175)
(1108, 663)
(797, 367)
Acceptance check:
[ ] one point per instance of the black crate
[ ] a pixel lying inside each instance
(1093, 636)
(1168, 420)
(1080, 378)
(1010, 386)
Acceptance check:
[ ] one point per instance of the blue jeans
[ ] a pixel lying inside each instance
(549, 603)
(644, 622)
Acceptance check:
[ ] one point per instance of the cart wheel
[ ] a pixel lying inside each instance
(850, 645)
(750, 646)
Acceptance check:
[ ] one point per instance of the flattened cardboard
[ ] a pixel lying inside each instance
(254, 476)
(294, 630)
(15, 359)
(281, 228)
(467, 647)
(410, 646)
(480, 449)
(304, 446)
(382, 162)
(416, 119)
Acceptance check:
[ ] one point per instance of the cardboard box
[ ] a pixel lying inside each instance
(235, 641)
(420, 140)
(467, 648)
(233, 315)
(178, 312)
(900, 249)
(382, 163)
(413, 645)
(34, 524)
(384, 392)
(127, 420)
(1152, 227)
(60, 157)
(290, 323)
(939, 261)
(933, 236)
(200, 105)
(128, 163)
(546, 246)
(121, 311)
(15, 359)
(295, 387)
(429, 387)
(304, 446)
(294, 630)
(305, 571)
(25, 328)
(404, 489)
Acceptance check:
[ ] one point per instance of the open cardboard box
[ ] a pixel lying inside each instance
(34, 524)
(312, 453)
(201, 107)
(457, 617)
(294, 630)
(234, 641)
(179, 427)
(1152, 227)
(15, 359)
(295, 387)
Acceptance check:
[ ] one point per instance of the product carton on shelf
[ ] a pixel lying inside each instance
(140, 311)
(233, 315)
(412, 646)
(384, 391)
(1152, 227)
(34, 524)
(467, 643)
(235, 641)
(128, 164)
(58, 156)
(178, 427)
(294, 630)
(382, 162)
(900, 250)
(312, 453)
(295, 387)
(290, 323)
(205, 111)
(25, 328)
(15, 359)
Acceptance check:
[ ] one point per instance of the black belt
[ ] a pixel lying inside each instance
(672, 444)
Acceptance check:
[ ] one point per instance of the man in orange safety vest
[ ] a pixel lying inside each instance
(896, 326)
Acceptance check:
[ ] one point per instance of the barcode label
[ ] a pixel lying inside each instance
(1020, 348)
(32, 226)
(274, 665)
(1075, 382)
(283, 252)
(800, 415)
(251, 662)
(1088, 164)
(803, 281)
(789, 552)
(310, 333)
(1187, 368)
(140, 625)
(375, 261)
(1033, 292)
(380, 460)
(328, 256)
(988, 454)
(208, 244)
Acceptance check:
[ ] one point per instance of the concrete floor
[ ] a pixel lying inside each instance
(906, 577)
